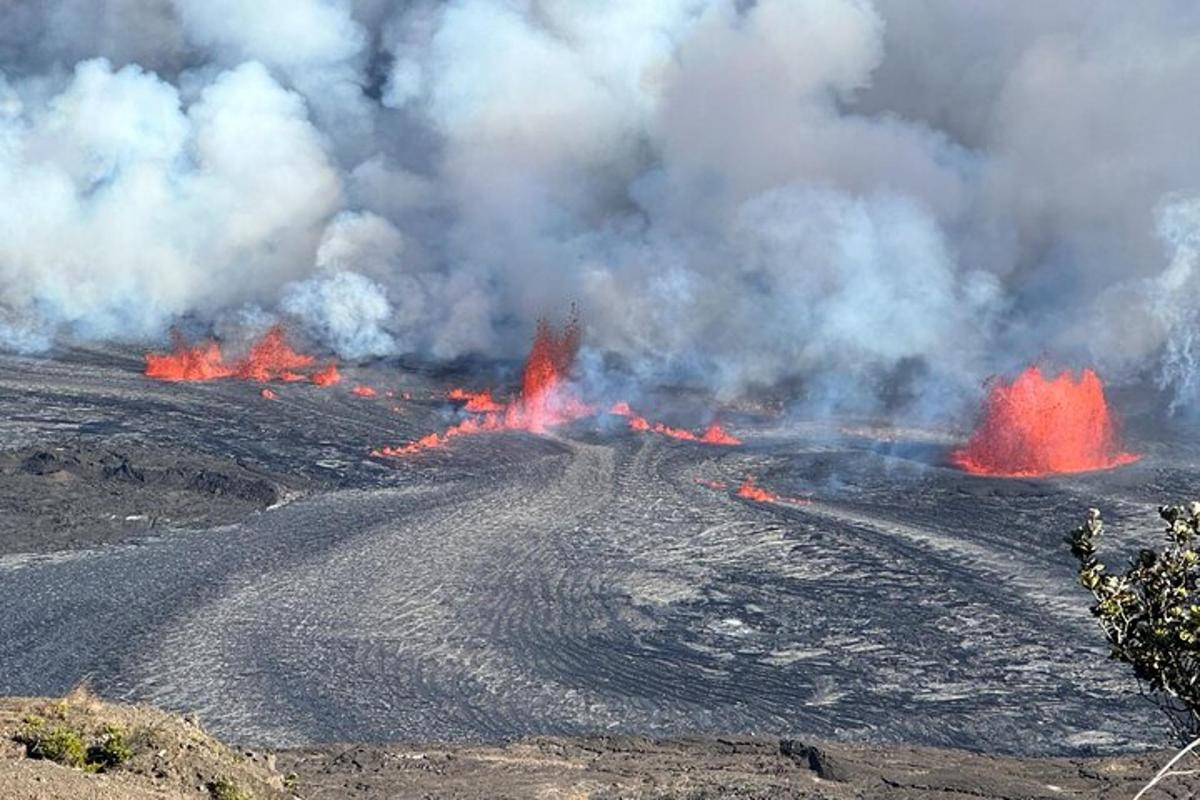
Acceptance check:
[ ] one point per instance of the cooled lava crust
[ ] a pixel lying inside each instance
(595, 579)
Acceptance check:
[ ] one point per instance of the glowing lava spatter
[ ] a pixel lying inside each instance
(713, 434)
(270, 358)
(201, 362)
(476, 402)
(364, 391)
(1035, 425)
(751, 491)
(328, 376)
(547, 399)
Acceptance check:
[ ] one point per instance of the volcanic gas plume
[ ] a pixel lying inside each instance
(270, 358)
(548, 399)
(1034, 426)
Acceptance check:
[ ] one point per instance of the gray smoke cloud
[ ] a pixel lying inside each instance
(859, 195)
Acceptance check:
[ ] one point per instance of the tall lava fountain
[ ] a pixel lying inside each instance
(1034, 425)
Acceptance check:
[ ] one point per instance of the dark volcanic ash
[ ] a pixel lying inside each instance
(861, 194)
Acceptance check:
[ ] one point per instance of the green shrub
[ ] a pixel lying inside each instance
(1150, 614)
(225, 789)
(111, 750)
(58, 743)
(67, 746)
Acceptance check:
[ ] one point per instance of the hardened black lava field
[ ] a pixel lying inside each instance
(247, 559)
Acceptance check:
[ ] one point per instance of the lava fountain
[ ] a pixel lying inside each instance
(1034, 425)
(202, 362)
(548, 399)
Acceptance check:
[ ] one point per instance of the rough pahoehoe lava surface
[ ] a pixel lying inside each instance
(592, 579)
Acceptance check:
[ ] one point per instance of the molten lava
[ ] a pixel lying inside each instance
(548, 399)
(1034, 426)
(750, 491)
(476, 402)
(202, 362)
(713, 434)
(270, 358)
(364, 391)
(328, 376)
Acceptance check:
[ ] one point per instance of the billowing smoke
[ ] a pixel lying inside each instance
(886, 199)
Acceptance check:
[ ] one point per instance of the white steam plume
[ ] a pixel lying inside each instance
(853, 193)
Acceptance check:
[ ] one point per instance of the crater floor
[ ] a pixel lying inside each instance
(591, 581)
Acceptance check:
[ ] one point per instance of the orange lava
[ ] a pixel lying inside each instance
(719, 486)
(364, 391)
(267, 394)
(751, 491)
(202, 362)
(328, 376)
(547, 400)
(1035, 425)
(713, 434)
(270, 358)
(476, 402)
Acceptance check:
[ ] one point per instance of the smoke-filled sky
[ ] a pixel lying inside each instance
(737, 192)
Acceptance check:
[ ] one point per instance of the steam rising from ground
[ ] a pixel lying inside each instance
(890, 200)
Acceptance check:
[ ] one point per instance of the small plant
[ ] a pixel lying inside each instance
(225, 789)
(65, 745)
(1151, 613)
(57, 743)
(111, 750)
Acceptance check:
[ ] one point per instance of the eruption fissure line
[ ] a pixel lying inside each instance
(270, 358)
(713, 434)
(547, 400)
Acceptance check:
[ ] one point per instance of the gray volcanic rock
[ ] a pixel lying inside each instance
(77, 493)
(638, 768)
(596, 579)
